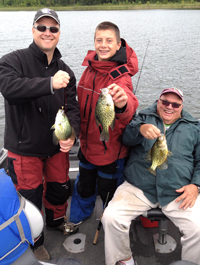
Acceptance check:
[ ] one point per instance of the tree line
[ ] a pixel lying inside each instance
(54, 3)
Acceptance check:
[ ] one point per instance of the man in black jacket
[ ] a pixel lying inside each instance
(35, 83)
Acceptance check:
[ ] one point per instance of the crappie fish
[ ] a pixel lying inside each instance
(158, 154)
(105, 113)
(62, 127)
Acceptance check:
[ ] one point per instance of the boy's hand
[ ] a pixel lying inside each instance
(118, 95)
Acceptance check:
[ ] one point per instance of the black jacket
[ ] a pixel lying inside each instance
(30, 104)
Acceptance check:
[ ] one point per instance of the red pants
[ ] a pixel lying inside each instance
(36, 177)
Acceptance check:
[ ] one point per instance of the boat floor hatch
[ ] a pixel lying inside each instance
(75, 243)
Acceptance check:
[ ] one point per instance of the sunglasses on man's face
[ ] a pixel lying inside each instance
(167, 103)
(43, 28)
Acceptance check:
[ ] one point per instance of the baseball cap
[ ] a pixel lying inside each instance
(46, 12)
(173, 90)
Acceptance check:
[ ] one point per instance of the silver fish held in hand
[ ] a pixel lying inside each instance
(62, 127)
(105, 113)
(158, 154)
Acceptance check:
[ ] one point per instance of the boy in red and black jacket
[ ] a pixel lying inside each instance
(101, 163)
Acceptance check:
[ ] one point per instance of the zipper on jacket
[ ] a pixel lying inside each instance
(48, 118)
(86, 105)
(20, 135)
(90, 111)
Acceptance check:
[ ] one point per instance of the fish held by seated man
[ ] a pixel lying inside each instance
(62, 127)
(158, 154)
(105, 113)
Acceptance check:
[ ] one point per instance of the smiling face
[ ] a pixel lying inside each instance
(106, 44)
(167, 113)
(46, 41)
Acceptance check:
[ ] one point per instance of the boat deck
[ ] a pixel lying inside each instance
(141, 238)
(141, 241)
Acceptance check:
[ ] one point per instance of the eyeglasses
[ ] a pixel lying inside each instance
(167, 103)
(43, 28)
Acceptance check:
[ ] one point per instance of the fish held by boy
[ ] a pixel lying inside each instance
(62, 127)
(105, 113)
(158, 154)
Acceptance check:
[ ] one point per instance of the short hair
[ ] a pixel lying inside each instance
(108, 25)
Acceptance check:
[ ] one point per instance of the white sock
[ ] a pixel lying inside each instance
(127, 262)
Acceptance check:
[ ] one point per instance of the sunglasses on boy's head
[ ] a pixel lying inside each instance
(167, 103)
(43, 28)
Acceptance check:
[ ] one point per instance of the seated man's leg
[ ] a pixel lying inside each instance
(188, 222)
(84, 193)
(122, 209)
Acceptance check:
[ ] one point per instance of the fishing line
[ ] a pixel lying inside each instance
(141, 67)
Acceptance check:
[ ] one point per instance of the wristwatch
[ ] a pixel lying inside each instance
(198, 186)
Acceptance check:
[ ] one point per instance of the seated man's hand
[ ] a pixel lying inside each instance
(189, 196)
(149, 131)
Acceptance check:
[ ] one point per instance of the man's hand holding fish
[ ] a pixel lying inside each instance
(63, 133)
(66, 145)
(149, 131)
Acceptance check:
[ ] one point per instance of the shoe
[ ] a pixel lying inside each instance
(70, 228)
(67, 228)
(41, 253)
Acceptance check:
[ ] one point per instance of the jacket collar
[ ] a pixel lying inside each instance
(41, 55)
(125, 55)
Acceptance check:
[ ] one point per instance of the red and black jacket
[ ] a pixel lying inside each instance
(97, 75)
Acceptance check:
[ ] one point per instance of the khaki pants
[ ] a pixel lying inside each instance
(128, 203)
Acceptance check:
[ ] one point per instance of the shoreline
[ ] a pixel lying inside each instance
(110, 7)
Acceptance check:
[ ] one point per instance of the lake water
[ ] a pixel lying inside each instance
(172, 58)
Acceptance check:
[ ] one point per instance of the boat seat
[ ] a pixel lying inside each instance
(164, 243)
